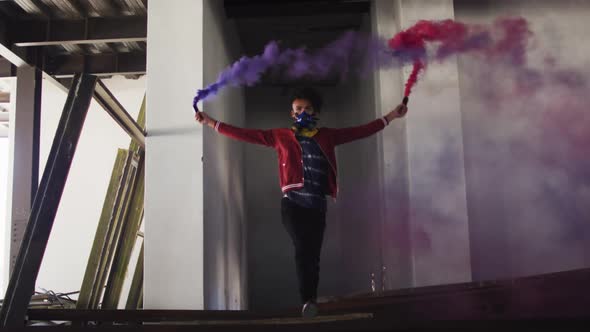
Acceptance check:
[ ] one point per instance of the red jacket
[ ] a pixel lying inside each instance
(289, 151)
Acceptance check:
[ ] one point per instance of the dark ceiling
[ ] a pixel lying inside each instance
(67, 36)
(107, 37)
(294, 23)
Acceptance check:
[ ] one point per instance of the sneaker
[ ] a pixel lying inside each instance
(310, 309)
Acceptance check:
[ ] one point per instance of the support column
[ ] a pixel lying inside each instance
(396, 249)
(173, 256)
(438, 209)
(20, 177)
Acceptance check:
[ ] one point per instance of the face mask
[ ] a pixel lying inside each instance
(305, 120)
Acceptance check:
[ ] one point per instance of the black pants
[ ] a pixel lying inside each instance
(306, 229)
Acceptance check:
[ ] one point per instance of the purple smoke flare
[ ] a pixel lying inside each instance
(351, 53)
(357, 53)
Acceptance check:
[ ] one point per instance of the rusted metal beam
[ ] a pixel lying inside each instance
(22, 280)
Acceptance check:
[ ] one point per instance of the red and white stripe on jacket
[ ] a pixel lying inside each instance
(289, 151)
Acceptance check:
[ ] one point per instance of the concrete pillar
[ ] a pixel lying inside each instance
(438, 211)
(21, 166)
(396, 249)
(173, 269)
(223, 171)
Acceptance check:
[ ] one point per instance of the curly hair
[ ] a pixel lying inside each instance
(310, 94)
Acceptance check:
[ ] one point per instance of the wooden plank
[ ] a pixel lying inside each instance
(106, 239)
(125, 246)
(22, 281)
(360, 325)
(552, 299)
(286, 320)
(135, 297)
(150, 315)
(119, 215)
(140, 302)
(134, 145)
(102, 232)
(130, 225)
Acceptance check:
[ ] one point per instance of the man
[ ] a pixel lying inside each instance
(307, 173)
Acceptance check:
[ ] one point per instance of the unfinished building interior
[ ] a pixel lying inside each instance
(122, 210)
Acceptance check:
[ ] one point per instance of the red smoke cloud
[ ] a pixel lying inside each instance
(506, 38)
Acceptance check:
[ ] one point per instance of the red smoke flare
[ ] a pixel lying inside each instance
(418, 66)
(454, 38)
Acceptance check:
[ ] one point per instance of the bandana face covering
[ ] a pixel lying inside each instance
(305, 123)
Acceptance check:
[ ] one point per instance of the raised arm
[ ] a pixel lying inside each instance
(255, 136)
(346, 135)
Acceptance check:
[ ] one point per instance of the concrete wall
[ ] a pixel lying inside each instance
(223, 172)
(525, 132)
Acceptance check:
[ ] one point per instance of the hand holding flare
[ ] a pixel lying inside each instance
(203, 118)
(398, 112)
